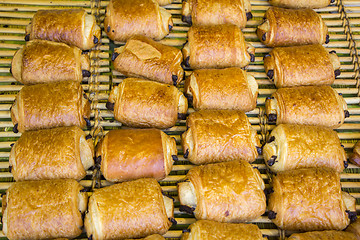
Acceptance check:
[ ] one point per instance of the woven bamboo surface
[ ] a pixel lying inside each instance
(342, 19)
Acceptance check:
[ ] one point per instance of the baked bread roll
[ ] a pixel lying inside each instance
(128, 154)
(218, 46)
(152, 237)
(292, 146)
(205, 229)
(291, 27)
(310, 105)
(310, 199)
(43, 209)
(230, 88)
(142, 103)
(219, 136)
(50, 105)
(323, 235)
(41, 61)
(301, 65)
(54, 25)
(355, 156)
(143, 57)
(64, 152)
(301, 3)
(125, 19)
(131, 209)
(354, 228)
(224, 192)
(215, 12)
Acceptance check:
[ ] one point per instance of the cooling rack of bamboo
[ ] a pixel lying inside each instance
(341, 17)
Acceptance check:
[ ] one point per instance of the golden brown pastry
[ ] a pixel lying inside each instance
(218, 46)
(54, 25)
(131, 209)
(310, 199)
(141, 103)
(125, 19)
(128, 154)
(152, 237)
(355, 157)
(230, 88)
(323, 235)
(215, 12)
(310, 105)
(301, 65)
(211, 230)
(291, 27)
(64, 152)
(41, 61)
(143, 57)
(301, 3)
(355, 228)
(50, 105)
(219, 136)
(292, 146)
(164, 2)
(43, 209)
(224, 192)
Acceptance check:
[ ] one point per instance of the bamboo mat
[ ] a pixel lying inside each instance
(342, 19)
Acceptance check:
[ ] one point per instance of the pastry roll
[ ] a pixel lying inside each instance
(215, 12)
(164, 2)
(323, 235)
(205, 229)
(223, 192)
(125, 19)
(292, 146)
(219, 136)
(43, 209)
(291, 27)
(64, 152)
(301, 3)
(301, 65)
(310, 199)
(310, 105)
(41, 61)
(218, 46)
(142, 103)
(128, 154)
(50, 105)
(152, 237)
(54, 25)
(143, 57)
(355, 157)
(230, 88)
(131, 209)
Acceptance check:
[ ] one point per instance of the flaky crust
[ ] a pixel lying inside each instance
(228, 192)
(308, 199)
(291, 27)
(143, 103)
(301, 146)
(354, 228)
(355, 157)
(230, 88)
(132, 209)
(205, 12)
(54, 25)
(218, 46)
(51, 154)
(218, 136)
(152, 237)
(42, 210)
(42, 61)
(300, 65)
(211, 230)
(143, 57)
(323, 235)
(300, 3)
(128, 154)
(50, 105)
(310, 105)
(125, 19)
